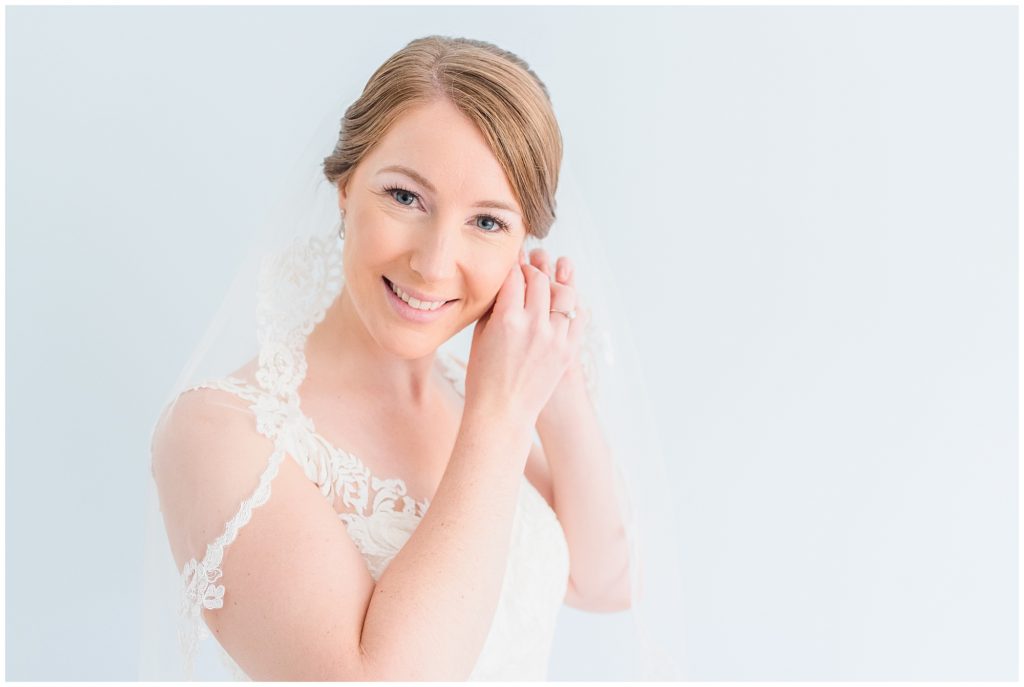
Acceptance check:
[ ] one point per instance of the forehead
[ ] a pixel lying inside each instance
(447, 148)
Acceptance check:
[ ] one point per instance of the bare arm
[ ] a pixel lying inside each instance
(300, 603)
(579, 470)
(583, 484)
(442, 588)
(433, 606)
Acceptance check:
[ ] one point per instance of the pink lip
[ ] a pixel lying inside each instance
(410, 313)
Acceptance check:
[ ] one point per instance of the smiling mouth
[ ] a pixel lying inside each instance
(391, 286)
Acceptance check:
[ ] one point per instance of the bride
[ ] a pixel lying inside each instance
(462, 536)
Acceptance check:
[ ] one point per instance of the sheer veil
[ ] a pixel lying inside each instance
(285, 280)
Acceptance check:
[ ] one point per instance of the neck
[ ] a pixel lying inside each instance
(340, 350)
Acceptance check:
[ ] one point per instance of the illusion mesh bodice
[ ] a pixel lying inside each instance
(376, 511)
(380, 517)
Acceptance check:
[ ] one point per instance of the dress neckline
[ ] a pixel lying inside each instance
(450, 369)
(448, 365)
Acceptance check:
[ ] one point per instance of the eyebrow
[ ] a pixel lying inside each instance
(419, 178)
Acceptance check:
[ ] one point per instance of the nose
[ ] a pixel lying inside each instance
(434, 255)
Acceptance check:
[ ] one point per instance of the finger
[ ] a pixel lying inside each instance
(560, 269)
(512, 291)
(539, 259)
(565, 272)
(563, 299)
(538, 292)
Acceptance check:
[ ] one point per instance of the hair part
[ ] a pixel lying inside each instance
(495, 88)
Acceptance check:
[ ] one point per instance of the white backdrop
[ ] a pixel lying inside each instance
(817, 208)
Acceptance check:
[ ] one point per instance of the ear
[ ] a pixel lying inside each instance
(341, 184)
(342, 195)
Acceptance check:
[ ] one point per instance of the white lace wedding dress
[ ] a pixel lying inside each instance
(518, 644)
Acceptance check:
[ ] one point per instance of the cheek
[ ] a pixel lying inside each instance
(375, 244)
(489, 278)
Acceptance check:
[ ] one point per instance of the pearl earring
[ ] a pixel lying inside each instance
(341, 226)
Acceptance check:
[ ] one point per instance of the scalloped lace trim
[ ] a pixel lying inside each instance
(199, 578)
(379, 529)
(295, 289)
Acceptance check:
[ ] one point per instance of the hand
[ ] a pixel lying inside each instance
(564, 273)
(520, 350)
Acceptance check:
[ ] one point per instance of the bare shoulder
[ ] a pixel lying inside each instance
(196, 423)
(204, 450)
(296, 588)
(203, 432)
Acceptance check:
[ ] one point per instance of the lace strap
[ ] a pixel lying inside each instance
(274, 415)
(198, 578)
(233, 385)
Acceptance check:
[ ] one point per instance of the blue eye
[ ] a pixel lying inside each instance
(500, 225)
(401, 190)
(396, 191)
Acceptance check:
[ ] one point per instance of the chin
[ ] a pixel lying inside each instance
(409, 345)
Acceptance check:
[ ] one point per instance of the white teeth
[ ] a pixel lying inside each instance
(418, 304)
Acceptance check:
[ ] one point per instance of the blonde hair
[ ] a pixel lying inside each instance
(495, 88)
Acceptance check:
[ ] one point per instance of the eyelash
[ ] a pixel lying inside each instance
(502, 224)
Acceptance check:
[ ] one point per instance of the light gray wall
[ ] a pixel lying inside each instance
(817, 208)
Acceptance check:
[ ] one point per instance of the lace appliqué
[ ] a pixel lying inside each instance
(296, 286)
(534, 584)
(199, 578)
(381, 515)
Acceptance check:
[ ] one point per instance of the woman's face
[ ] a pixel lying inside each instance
(431, 229)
